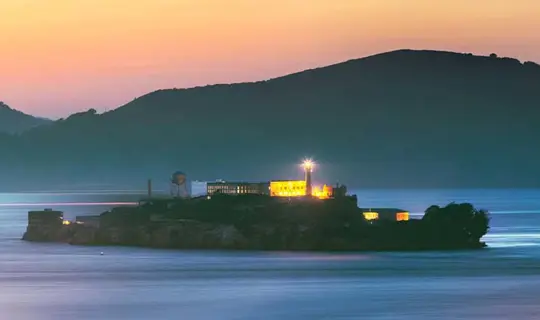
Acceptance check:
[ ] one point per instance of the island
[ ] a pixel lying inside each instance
(261, 222)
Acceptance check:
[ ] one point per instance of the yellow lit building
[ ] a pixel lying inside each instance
(371, 215)
(288, 188)
(298, 188)
(388, 214)
(301, 188)
(326, 192)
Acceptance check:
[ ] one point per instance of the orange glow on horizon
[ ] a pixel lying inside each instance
(74, 55)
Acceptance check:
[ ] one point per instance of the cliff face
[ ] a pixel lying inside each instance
(198, 235)
(264, 223)
(187, 234)
(47, 234)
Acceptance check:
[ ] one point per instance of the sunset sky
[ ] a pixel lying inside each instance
(64, 56)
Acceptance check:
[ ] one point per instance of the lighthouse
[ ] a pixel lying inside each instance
(308, 165)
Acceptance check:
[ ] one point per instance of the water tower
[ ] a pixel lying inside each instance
(179, 185)
(308, 166)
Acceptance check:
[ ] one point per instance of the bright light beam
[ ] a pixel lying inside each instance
(308, 164)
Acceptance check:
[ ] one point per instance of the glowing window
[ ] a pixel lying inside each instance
(402, 216)
(371, 215)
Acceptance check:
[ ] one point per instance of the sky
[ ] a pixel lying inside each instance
(63, 56)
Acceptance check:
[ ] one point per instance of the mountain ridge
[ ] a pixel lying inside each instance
(13, 121)
(404, 118)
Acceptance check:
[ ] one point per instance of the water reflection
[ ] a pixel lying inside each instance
(67, 204)
(55, 281)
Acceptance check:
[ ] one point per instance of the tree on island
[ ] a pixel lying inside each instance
(456, 221)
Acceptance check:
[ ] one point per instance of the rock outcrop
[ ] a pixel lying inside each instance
(264, 223)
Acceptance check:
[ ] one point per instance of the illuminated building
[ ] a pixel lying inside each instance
(298, 188)
(235, 188)
(326, 192)
(387, 214)
(277, 188)
(371, 215)
(288, 188)
(402, 216)
(301, 188)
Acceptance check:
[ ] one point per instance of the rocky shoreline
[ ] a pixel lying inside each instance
(262, 223)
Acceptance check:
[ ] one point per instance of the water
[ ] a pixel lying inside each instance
(56, 281)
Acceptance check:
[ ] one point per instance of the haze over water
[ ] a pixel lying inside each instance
(56, 281)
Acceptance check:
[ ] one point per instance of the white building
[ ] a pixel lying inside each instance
(198, 188)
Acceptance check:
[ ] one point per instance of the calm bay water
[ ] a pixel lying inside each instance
(55, 281)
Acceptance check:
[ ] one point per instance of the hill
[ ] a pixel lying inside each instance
(13, 121)
(398, 119)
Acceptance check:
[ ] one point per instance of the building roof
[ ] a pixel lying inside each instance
(235, 182)
(46, 211)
